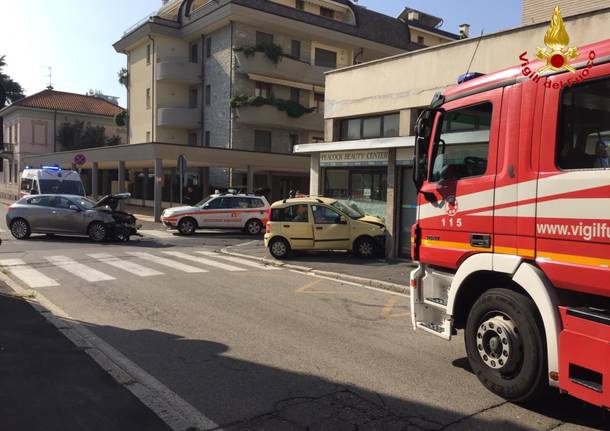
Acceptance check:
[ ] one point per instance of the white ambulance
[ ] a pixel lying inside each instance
(51, 180)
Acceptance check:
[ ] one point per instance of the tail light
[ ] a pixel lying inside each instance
(268, 226)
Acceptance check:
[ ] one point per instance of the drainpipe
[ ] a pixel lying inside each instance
(202, 118)
(153, 104)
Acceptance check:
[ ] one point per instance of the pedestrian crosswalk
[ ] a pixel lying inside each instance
(51, 271)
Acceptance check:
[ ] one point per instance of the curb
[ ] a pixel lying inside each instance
(384, 285)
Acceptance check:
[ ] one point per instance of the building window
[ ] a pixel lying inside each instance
(326, 58)
(326, 12)
(194, 53)
(584, 132)
(367, 187)
(147, 136)
(294, 141)
(208, 47)
(193, 98)
(300, 4)
(295, 49)
(148, 53)
(208, 95)
(318, 99)
(208, 139)
(262, 141)
(420, 40)
(262, 89)
(148, 98)
(370, 127)
(264, 38)
(295, 95)
(192, 139)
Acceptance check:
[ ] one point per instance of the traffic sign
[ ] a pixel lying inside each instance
(80, 159)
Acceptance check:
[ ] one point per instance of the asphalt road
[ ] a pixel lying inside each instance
(258, 348)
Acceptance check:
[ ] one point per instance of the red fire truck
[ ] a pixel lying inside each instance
(513, 227)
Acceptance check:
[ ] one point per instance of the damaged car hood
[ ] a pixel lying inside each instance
(111, 201)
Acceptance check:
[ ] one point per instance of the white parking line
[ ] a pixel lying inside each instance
(204, 261)
(166, 262)
(240, 261)
(78, 269)
(30, 276)
(125, 265)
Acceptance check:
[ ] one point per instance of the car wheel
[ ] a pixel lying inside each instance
(187, 226)
(20, 229)
(505, 345)
(279, 248)
(365, 247)
(254, 227)
(97, 231)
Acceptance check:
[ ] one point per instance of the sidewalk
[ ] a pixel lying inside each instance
(341, 265)
(47, 383)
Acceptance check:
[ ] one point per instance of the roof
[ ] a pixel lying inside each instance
(370, 25)
(447, 34)
(68, 102)
(304, 200)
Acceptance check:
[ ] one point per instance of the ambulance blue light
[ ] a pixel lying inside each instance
(51, 168)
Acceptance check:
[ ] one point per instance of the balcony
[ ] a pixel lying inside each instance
(287, 69)
(178, 69)
(270, 116)
(180, 118)
(7, 150)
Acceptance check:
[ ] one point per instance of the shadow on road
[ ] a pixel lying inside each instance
(243, 395)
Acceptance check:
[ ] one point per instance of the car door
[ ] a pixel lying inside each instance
(331, 229)
(65, 219)
(456, 206)
(296, 226)
(38, 213)
(213, 213)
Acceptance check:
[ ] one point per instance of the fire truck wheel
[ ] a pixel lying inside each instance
(505, 345)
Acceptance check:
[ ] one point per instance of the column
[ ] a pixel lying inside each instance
(94, 180)
(145, 187)
(204, 176)
(158, 188)
(121, 177)
(172, 183)
(250, 180)
(391, 210)
(106, 183)
(314, 174)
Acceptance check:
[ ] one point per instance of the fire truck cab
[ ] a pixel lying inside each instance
(513, 226)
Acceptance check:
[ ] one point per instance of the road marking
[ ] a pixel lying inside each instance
(125, 265)
(388, 308)
(307, 289)
(2, 230)
(157, 233)
(240, 261)
(204, 261)
(351, 283)
(308, 286)
(166, 262)
(30, 276)
(78, 269)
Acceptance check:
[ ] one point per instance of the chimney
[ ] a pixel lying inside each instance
(464, 31)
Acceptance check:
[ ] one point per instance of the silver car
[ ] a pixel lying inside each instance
(71, 215)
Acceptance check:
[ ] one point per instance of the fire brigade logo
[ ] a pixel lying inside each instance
(451, 206)
(557, 54)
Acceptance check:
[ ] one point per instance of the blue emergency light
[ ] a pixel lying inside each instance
(51, 168)
(465, 77)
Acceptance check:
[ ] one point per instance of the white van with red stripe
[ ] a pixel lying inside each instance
(50, 180)
(220, 211)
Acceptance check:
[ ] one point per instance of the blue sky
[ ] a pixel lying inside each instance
(75, 37)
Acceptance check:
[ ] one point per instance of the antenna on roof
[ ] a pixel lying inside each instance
(475, 51)
(50, 76)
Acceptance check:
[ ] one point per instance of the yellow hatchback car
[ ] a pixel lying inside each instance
(322, 224)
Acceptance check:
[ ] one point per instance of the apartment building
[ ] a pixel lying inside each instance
(37, 125)
(367, 156)
(537, 11)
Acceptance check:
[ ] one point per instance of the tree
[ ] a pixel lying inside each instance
(124, 77)
(77, 136)
(12, 89)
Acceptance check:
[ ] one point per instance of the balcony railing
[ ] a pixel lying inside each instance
(288, 69)
(7, 148)
(270, 116)
(178, 69)
(178, 117)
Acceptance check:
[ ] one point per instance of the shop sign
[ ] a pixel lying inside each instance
(404, 156)
(355, 158)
